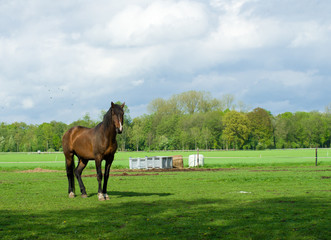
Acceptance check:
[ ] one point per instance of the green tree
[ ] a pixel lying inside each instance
(163, 143)
(236, 129)
(186, 121)
(11, 145)
(228, 102)
(86, 121)
(44, 134)
(314, 128)
(137, 133)
(29, 140)
(284, 130)
(18, 130)
(197, 101)
(261, 128)
(206, 136)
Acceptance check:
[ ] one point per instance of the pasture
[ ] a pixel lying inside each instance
(213, 159)
(242, 195)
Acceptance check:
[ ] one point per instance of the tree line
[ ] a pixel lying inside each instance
(186, 121)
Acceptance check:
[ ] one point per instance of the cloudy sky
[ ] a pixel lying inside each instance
(62, 59)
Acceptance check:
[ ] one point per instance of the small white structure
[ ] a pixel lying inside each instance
(195, 160)
(138, 163)
(150, 162)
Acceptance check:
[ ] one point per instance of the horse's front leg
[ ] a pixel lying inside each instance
(109, 161)
(99, 178)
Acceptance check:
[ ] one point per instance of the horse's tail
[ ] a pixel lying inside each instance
(70, 163)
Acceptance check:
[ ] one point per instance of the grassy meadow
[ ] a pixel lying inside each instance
(255, 195)
(213, 159)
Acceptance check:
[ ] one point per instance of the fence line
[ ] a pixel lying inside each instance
(32, 162)
(259, 156)
(191, 150)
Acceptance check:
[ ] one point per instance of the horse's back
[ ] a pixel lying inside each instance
(74, 134)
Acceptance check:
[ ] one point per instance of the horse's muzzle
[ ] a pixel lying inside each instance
(119, 129)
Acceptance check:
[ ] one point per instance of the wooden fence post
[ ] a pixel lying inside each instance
(316, 157)
(198, 156)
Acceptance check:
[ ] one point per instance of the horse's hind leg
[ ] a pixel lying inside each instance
(70, 165)
(78, 172)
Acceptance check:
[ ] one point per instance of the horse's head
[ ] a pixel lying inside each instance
(118, 116)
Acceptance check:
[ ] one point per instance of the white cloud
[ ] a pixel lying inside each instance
(274, 90)
(27, 103)
(138, 82)
(226, 82)
(5, 100)
(157, 23)
(79, 57)
(290, 79)
(310, 33)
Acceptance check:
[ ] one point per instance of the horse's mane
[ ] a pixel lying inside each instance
(107, 118)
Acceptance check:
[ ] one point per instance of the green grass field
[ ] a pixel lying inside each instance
(265, 196)
(297, 157)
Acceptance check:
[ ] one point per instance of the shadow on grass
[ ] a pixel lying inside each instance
(276, 218)
(137, 194)
(131, 194)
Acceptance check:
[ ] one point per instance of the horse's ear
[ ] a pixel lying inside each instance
(112, 104)
(123, 105)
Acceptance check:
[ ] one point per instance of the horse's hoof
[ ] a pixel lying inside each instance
(101, 197)
(71, 195)
(84, 195)
(106, 196)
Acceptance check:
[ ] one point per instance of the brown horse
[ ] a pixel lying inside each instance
(98, 143)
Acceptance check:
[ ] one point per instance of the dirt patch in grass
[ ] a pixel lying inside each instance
(175, 170)
(137, 172)
(156, 171)
(124, 174)
(266, 170)
(314, 169)
(38, 170)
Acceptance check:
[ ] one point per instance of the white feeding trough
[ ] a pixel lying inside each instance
(150, 162)
(195, 160)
